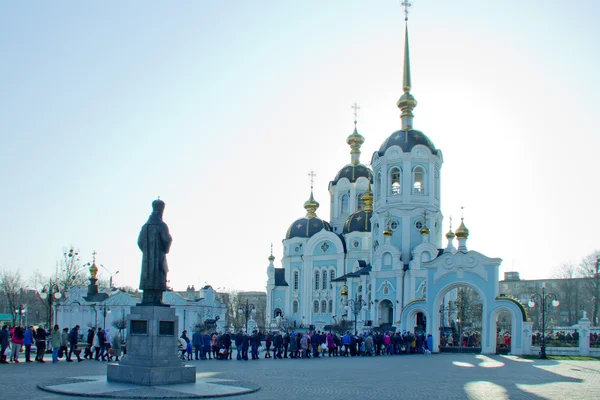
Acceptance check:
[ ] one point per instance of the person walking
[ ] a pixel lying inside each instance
(64, 342)
(73, 339)
(207, 344)
(28, 341)
(101, 349)
(55, 341)
(116, 345)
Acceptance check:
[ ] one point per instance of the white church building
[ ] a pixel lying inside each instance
(380, 258)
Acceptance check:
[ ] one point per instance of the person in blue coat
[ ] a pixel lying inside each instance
(239, 339)
(430, 342)
(197, 343)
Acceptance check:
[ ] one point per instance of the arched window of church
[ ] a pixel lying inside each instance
(317, 275)
(296, 280)
(386, 261)
(316, 307)
(436, 177)
(331, 275)
(330, 309)
(419, 180)
(359, 203)
(378, 186)
(344, 203)
(324, 286)
(295, 307)
(395, 181)
(323, 306)
(369, 293)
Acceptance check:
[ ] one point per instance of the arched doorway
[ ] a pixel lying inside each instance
(386, 313)
(503, 332)
(421, 323)
(460, 313)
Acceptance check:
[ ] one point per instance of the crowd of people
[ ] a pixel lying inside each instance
(277, 345)
(65, 343)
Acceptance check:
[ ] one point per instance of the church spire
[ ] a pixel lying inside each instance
(355, 140)
(407, 101)
(311, 204)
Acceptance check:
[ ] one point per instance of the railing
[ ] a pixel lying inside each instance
(595, 338)
(557, 339)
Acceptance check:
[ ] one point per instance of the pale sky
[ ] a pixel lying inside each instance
(222, 108)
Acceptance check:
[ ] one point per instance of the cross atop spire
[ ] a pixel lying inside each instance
(94, 256)
(407, 5)
(356, 108)
(312, 175)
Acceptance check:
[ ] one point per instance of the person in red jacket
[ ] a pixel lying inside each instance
(16, 337)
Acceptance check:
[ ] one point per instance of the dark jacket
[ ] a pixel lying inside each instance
(90, 336)
(239, 338)
(101, 338)
(197, 339)
(74, 336)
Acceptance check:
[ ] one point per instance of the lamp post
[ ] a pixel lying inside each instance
(544, 301)
(110, 280)
(105, 311)
(247, 310)
(355, 306)
(51, 292)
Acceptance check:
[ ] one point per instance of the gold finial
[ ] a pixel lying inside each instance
(407, 101)
(355, 140)
(311, 204)
(271, 257)
(367, 198)
(387, 231)
(424, 229)
(450, 234)
(462, 232)
(93, 268)
(344, 291)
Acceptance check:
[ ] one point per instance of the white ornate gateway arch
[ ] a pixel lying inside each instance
(478, 274)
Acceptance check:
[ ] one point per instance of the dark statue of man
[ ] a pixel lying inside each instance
(155, 242)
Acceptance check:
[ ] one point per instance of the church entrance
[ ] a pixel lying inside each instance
(460, 316)
(386, 313)
(503, 332)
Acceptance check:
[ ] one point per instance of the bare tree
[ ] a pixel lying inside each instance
(567, 292)
(11, 286)
(588, 268)
(69, 271)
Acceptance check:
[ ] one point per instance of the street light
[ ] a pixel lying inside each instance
(544, 301)
(110, 280)
(355, 307)
(50, 292)
(247, 310)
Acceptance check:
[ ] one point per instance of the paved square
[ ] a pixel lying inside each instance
(443, 376)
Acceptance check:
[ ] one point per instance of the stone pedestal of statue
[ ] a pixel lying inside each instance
(152, 350)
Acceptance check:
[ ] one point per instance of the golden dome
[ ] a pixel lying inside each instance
(93, 270)
(344, 291)
(311, 206)
(424, 230)
(388, 232)
(450, 234)
(367, 199)
(462, 232)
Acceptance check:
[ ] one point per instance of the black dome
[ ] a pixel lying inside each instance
(399, 138)
(306, 227)
(353, 172)
(360, 221)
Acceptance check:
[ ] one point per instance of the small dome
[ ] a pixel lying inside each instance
(344, 291)
(358, 222)
(353, 172)
(450, 234)
(399, 138)
(307, 227)
(462, 232)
